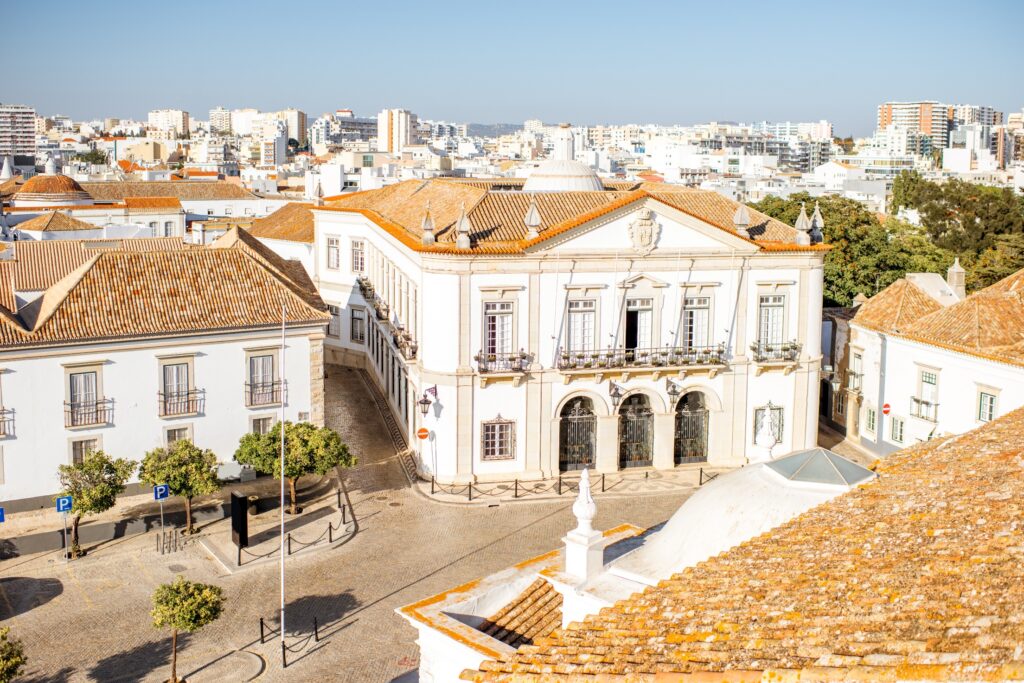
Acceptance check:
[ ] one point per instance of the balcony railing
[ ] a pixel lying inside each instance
(263, 393)
(191, 402)
(88, 413)
(768, 352)
(517, 361)
(666, 356)
(6, 422)
(925, 410)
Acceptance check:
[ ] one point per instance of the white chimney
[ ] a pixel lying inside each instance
(955, 278)
(428, 227)
(463, 227)
(584, 547)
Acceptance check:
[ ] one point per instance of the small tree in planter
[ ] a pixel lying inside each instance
(185, 606)
(187, 470)
(12, 656)
(93, 485)
(308, 450)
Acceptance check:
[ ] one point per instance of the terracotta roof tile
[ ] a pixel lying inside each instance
(895, 307)
(152, 203)
(55, 221)
(293, 222)
(534, 613)
(186, 190)
(918, 575)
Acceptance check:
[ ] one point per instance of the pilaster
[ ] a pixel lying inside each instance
(316, 379)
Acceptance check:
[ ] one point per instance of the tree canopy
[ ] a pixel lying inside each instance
(94, 484)
(309, 450)
(12, 656)
(93, 156)
(185, 606)
(187, 470)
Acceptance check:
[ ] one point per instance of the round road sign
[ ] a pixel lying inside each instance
(885, 409)
(423, 433)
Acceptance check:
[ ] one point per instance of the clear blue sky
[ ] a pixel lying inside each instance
(486, 61)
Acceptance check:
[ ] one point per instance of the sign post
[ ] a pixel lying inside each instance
(161, 491)
(64, 506)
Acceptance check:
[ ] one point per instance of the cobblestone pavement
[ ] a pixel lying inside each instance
(89, 620)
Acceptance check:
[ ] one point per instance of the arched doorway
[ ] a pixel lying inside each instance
(577, 430)
(636, 432)
(825, 400)
(691, 429)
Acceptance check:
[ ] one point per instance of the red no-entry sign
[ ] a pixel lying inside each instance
(885, 409)
(422, 433)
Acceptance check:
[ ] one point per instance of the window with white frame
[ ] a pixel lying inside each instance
(775, 414)
(771, 309)
(896, 429)
(175, 434)
(333, 253)
(582, 316)
(358, 332)
(926, 404)
(262, 425)
(498, 439)
(855, 373)
(498, 327)
(358, 256)
(986, 406)
(871, 421)
(334, 327)
(840, 402)
(696, 321)
(81, 448)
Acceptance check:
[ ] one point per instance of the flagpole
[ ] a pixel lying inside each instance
(282, 376)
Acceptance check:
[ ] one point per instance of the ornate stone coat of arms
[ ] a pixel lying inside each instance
(644, 232)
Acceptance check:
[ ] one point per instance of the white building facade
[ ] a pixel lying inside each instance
(647, 331)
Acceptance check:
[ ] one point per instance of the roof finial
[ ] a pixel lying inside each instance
(319, 201)
(765, 438)
(463, 227)
(532, 219)
(817, 225)
(584, 507)
(427, 226)
(6, 173)
(741, 220)
(803, 226)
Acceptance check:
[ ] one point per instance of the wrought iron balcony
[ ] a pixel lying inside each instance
(89, 413)
(516, 361)
(775, 352)
(853, 380)
(666, 356)
(6, 422)
(925, 410)
(263, 393)
(191, 402)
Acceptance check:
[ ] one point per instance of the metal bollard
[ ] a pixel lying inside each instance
(602, 482)
(344, 515)
(316, 631)
(469, 489)
(284, 656)
(559, 484)
(516, 494)
(431, 484)
(289, 543)
(330, 533)
(262, 639)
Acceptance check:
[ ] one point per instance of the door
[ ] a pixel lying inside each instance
(176, 389)
(261, 380)
(83, 398)
(636, 429)
(691, 433)
(577, 429)
(639, 318)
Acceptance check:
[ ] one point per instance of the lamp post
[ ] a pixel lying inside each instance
(672, 388)
(616, 394)
(424, 404)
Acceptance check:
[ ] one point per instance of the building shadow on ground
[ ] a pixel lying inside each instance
(139, 662)
(25, 594)
(62, 676)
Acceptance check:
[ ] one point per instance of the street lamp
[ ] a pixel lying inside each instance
(424, 404)
(672, 388)
(829, 373)
(616, 394)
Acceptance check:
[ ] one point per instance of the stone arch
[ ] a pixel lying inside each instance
(654, 399)
(712, 401)
(600, 403)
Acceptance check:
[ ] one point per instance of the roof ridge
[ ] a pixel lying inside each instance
(45, 306)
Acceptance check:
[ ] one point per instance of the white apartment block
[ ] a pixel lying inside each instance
(81, 374)
(395, 129)
(220, 121)
(173, 122)
(17, 131)
(547, 329)
(929, 117)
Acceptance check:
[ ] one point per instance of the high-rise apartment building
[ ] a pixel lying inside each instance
(296, 122)
(220, 121)
(17, 130)
(965, 114)
(934, 119)
(174, 122)
(395, 130)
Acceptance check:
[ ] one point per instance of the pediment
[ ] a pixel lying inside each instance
(645, 228)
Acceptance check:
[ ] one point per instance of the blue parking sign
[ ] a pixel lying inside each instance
(64, 504)
(161, 491)
(1, 515)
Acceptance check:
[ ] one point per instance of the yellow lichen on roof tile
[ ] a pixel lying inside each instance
(918, 575)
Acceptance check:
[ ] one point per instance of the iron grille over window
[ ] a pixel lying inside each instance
(498, 439)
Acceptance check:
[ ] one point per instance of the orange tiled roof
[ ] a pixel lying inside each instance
(292, 222)
(534, 613)
(49, 184)
(121, 294)
(918, 575)
(55, 221)
(186, 190)
(152, 203)
(497, 216)
(895, 307)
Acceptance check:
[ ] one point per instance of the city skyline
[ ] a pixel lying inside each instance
(558, 65)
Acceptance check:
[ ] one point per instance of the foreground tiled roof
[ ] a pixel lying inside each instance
(195, 190)
(534, 613)
(293, 222)
(55, 221)
(895, 307)
(497, 217)
(918, 576)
